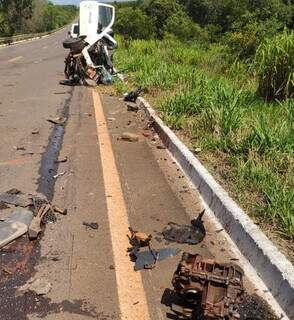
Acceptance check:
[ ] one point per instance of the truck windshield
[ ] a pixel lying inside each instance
(76, 29)
(104, 17)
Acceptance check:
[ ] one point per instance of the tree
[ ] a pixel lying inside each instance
(160, 11)
(15, 12)
(134, 23)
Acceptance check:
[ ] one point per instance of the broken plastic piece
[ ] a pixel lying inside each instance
(15, 226)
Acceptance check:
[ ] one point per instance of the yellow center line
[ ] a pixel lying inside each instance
(129, 283)
(15, 59)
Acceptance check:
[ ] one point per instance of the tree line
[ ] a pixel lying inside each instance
(33, 16)
(242, 24)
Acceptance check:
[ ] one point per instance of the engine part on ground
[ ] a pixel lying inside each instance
(210, 290)
(191, 234)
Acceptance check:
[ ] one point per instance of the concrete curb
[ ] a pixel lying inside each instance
(271, 265)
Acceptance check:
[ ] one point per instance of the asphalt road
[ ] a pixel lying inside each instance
(106, 180)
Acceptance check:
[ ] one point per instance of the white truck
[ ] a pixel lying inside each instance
(74, 30)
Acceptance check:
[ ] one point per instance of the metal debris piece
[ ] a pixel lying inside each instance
(191, 234)
(131, 137)
(132, 106)
(16, 199)
(147, 259)
(57, 120)
(210, 290)
(15, 225)
(59, 210)
(61, 160)
(18, 148)
(35, 226)
(35, 131)
(38, 286)
(92, 225)
(59, 175)
(138, 240)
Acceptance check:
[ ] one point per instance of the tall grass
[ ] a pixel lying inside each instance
(212, 98)
(275, 67)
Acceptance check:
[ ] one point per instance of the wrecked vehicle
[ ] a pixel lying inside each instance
(209, 290)
(89, 61)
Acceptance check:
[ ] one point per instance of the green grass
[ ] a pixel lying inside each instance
(212, 99)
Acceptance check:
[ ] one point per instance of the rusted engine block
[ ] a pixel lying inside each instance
(211, 291)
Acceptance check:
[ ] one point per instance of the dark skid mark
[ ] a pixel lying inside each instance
(41, 306)
(49, 164)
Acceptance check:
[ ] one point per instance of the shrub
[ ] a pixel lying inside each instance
(275, 64)
(134, 23)
(183, 27)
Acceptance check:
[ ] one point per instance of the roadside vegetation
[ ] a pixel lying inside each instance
(222, 74)
(33, 16)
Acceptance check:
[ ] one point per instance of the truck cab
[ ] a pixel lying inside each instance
(74, 30)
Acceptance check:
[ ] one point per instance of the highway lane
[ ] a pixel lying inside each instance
(109, 181)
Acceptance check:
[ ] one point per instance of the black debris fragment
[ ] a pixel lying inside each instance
(91, 225)
(191, 234)
(133, 95)
(147, 259)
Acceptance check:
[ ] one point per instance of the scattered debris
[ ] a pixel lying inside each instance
(132, 106)
(63, 92)
(111, 119)
(138, 240)
(197, 150)
(161, 147)
(146, 134)
(3, 206)
(16, 199)
(13, 191)
(131, 137)
(57, 120)
(59, 175)
(35, 131)
(209, 289)
(133, 95)
(35, 226)
(111, 267)
(191, 234)
(91, 225)
(39, 286)
(59, 210)
(147, 259)
(15, 225)
(61, 160)
(19, 148)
